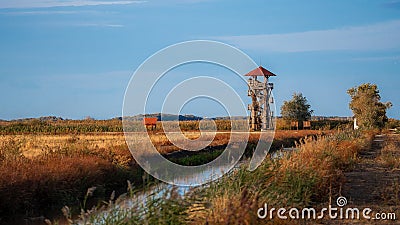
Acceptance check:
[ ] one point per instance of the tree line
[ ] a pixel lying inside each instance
(365, 104)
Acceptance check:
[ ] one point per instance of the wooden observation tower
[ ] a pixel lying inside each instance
(261, 98)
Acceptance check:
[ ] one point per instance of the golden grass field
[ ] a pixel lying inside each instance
(311, 176)
(35, 145)
(41, 172)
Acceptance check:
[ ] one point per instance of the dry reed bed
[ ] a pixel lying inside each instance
(303, 178)
(308, 176)
(39, 172)
(390, 155)
(33, 145)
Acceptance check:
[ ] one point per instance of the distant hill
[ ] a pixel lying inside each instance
(231, 118)
(164, 117)
(168, 117)
(173, 117)
(42, 119)
(50, 118)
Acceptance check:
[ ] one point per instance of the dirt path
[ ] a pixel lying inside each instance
(373, 183)
(366, 184)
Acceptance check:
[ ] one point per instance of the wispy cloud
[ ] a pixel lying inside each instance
(174, 2)
(44, 12)
(99, 25)
(56, 3)
(378, 58)
(394, 4)
(380, 36)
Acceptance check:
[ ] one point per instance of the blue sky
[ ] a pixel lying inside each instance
(75, 58)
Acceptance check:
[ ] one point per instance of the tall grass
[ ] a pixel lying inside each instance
(304, 177)
(310, 175)
(390, 155)
(30, 126)
(112, 125)
(169, 207)
(58, 173)
(282, 124)
(41, 172)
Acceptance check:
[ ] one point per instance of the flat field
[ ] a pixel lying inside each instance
(40, 171)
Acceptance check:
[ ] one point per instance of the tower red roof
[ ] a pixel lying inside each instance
(260, 71)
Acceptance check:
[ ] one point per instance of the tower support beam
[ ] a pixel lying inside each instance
(261, 96)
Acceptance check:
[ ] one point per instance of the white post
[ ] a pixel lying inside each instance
(356, 127)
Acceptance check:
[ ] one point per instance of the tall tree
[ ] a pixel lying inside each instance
(297, 109)
(367, 107)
